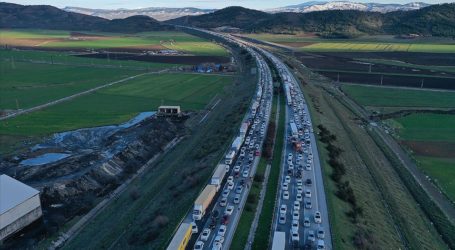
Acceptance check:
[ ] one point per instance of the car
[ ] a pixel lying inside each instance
(230, 179)
(230, 185)
(256, 146)
(306, 222)
(320, 245)
(290, 162)
(299, 183)
(223, 202)
(250, 157)
(307, 193)
(311, 236)
(299, 156)
(321, 233)
(194, 229)
(298, 197)
(285, 186)
(205, 234)
(239, 189)
(295, 235)
(242, 153)
(283, 209)
(199, 245)
(308, 167)
(296, 205)
(295, 224)
(229, 210)
(317, 217)
(217, 246)
(237, 199)
(286, 195)
(287, 179)
(308, 204)
(222, 230)
(297, 162)
(308, 182)
(245, 173)
(295, 215)
(225, 219)
(219, 239)
(237, 168)
(290, 156)
(282, 219)
(299, 190)
(225, 193)
(258, 153)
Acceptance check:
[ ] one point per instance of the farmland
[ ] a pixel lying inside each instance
(430, 137)
(44, 39)
(311, 43)
(119, 103)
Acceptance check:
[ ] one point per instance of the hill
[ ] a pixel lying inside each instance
(49, 17)
(345, 5)
(435, 20)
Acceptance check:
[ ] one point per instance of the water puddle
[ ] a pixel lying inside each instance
(44, 159)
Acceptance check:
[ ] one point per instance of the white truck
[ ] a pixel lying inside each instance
(279, 240)
(218, 176)
(203, 201)
(294, 131)
(237, 143)
(230, 157)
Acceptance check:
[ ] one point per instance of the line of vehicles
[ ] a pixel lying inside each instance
(218, 207)
(301, 220)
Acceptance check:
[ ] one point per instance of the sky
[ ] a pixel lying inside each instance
(216, 4)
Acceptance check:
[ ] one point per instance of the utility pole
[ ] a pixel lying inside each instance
(338, 78)
(382, 78)
(421, 84)
(369, 70)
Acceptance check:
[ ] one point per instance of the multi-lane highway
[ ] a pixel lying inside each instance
(301, 219)
(301, 213)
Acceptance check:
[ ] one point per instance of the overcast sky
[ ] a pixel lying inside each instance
(132, 4)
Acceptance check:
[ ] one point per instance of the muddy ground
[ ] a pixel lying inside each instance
(410, 77)
(101, 159)
(179, 59)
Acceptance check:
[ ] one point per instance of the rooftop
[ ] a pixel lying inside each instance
(13, 193)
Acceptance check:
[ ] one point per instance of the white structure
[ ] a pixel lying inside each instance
(19, 206)
(169, 110)
(279, 241)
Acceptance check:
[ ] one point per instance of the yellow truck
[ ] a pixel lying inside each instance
(181, 237)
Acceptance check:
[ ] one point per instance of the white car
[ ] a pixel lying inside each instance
(229, 210)
(295, 215)
(194, 229)
(230, 185)
(299, 183)
(321, 233)
(283, 209)
(222, 230)
(286, 195)
(317, 217)
(306, 222)
(223, 202)
(199, 245)
(217, 246)
(206, 234)
(285, 186)
(320, 245)
(219, 239)
(295, 236)
(225, 193)
(308, 204)
(245, 173)
(282, 219)
(311, 236)
(237, 168)
(230, 179)
(287, 179)
(296, 205)
(299, 197)
(299, 190)
(308, 193)
(295, 225)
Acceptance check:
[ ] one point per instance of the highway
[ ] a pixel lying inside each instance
(301, 170)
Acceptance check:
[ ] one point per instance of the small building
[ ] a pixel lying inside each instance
(168, 110)
(20, 205)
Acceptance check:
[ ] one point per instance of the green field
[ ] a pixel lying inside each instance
(24, 85)
(146, 40)
(426, 127)
(382, 43)
(399, 97)
(442, 170)
(119, 103)
(408, 65)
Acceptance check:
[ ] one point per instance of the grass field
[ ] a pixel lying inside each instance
(442, 170)
(399, 97)
(119, 103)
(408, 65)
(427, 127)
(147, 40)
(24, 85)
(312, 43)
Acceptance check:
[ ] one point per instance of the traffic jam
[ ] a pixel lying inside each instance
(217, 209)
(299, 221)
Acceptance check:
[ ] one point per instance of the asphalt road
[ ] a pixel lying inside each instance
(300, 114)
